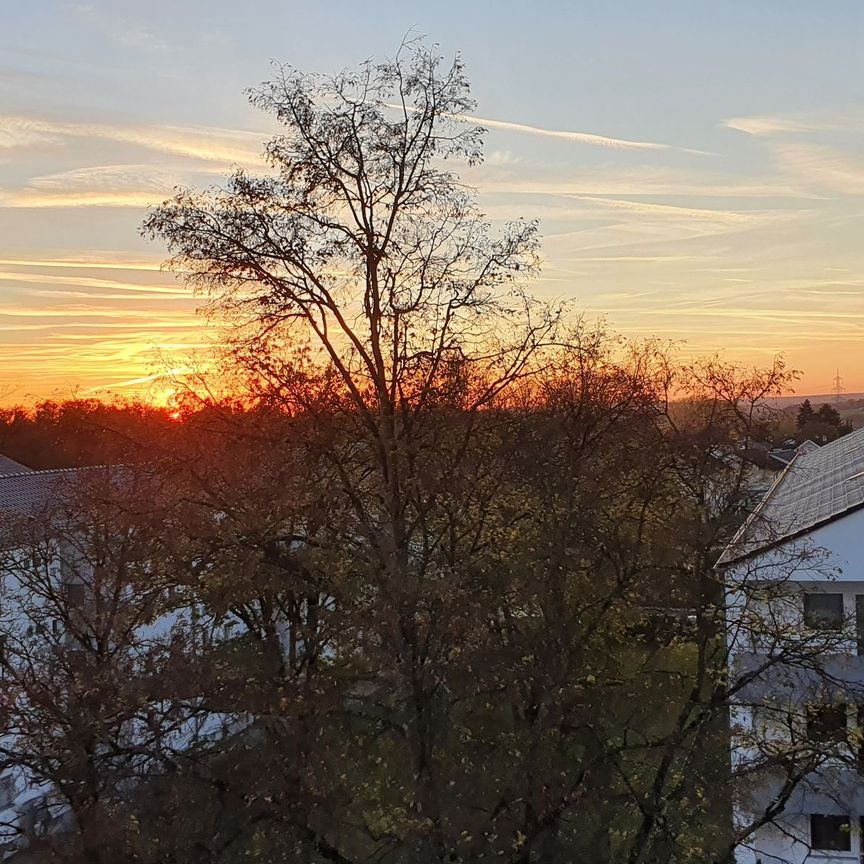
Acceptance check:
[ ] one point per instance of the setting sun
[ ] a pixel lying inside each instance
(419, 451)
(728, 224)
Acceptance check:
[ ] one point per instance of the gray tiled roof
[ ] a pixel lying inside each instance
(10, 466)
(30, 492)
(808, 446)
(819, 485)
(786, 455)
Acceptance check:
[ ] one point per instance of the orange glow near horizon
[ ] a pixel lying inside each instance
(729, 224)
(166, 390)
(102, 328)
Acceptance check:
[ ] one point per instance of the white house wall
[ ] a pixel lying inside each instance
(834, 563)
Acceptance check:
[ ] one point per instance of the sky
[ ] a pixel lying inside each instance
(698, 169)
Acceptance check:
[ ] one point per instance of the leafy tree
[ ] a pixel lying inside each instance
(467, 550)
(805, 414)
(81, 432)
(828, 414)
(566, 626)
(95, 665)
(823, 425)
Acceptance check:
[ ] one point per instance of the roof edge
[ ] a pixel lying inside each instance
(773, 544)
(755, 512)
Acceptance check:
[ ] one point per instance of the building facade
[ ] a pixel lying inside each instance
(794, 578)
(61, 595)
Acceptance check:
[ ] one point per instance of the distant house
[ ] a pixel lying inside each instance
(815, 506)
(27, 494)
(781, 457)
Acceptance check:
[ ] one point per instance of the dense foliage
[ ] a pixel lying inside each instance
(436, 585)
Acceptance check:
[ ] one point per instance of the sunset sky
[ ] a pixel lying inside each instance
(698, 167)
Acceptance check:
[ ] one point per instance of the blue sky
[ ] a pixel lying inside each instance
(723, 205)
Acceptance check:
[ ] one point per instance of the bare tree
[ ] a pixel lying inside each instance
(470, 660)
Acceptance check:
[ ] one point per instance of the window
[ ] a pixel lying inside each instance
(858, 741)
(830, 833)
(34, 814)
(859, 621)
(823, 611)
(75, 594)
(826, 723)
(7, 790)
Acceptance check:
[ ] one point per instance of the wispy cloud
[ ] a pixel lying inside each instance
(780, 124)
(638, 259)
(85, 313)
(501, 158)
(135, 35)
(205, 143)
(580, 137)
(576, 137)
(28, 198)
(106, 177)
(92, 282)
(96, 186)
(823, 167)
(108, 261)
(645, 180)
(675, 212)
(26, 132)
(127, 32)
(804, 154)
(133, 382)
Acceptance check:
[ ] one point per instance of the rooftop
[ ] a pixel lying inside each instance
(818, 486)
(10, 466)
(29, 492)
(785, 456)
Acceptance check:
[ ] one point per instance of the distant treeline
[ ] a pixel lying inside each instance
(82, 432)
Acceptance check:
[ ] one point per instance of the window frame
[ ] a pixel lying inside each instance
(859, 624)
(8, 790)
(827, 733)
(845, 837)
(812, 618)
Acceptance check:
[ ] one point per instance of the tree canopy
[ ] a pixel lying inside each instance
(437, 584)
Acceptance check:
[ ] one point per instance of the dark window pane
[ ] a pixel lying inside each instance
(859, 621)
(860, 753)
(830, 833)
(823, 611)
(75, 595)
(826, 723)
(7, 790)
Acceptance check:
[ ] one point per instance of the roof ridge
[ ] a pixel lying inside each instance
(815, 487)
(41, 471)
(725, 556)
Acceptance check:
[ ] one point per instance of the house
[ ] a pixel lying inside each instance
(794, 577)
(782, 456)
(24, 494)
(49, 521)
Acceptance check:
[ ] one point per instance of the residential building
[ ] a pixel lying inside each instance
(42, 532)
(795, 635)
